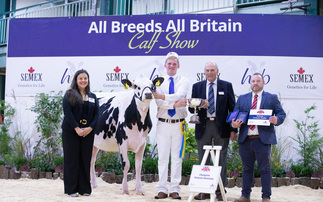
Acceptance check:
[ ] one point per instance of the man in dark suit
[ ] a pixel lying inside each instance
(255, 141)
(213, 128)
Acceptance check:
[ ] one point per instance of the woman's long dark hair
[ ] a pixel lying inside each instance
(73, 94)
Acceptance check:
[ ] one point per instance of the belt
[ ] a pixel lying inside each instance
(170, 120)
(251, 137)
(210, 118)
(83, 121)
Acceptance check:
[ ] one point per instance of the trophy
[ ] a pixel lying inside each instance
(194, 103)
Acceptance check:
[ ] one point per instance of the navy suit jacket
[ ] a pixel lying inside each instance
(268, 101)
(225, 102)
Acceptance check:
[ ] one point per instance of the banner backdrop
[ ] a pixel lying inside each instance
(44, 53)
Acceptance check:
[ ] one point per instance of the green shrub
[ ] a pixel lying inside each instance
(301, 171)
(190, 142)
(308, 139)
(58, 161)
(5, 139)
(150, 165)
(187, 166)
(42, 163)
(277, 170)
(21, 161)
(110, 161)
(234, 162)
(49, 110)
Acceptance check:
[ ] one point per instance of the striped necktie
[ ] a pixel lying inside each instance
(210, 108)
(254, 106)
(171, 112)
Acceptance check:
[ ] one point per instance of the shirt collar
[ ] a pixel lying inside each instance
(174, 77)
(259, 94)
(215, 82)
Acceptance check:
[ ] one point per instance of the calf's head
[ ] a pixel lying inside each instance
(143, 87)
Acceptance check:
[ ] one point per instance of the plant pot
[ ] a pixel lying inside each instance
(156, 177)
(305, 181)
(130, 176)
(239, 181)
(188, 179)
(25, 174)
(283, 181)
(4, 172)
(13, 174)
(149, 178)
(274, 182)
(294, 181)
(183, 180)
(119, 179)
(231, 182)
(42, 174)
(34, 173)
(315, 183)
(61, 176)
(55, 175)
(108, 177)
(49, 175)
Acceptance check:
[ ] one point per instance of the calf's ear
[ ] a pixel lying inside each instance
(158, 81)
(126, 83)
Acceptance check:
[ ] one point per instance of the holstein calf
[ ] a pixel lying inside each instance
(124, 123)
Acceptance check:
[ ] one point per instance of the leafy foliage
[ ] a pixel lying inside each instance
(49, 112)
(110, 161)
(42, 163)
(187, 165)
(234, 162)
(302, 171)
(190, 145)
(308, 139)
(5, 139)
(150, 165)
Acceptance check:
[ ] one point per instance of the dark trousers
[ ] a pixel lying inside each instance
(251, 151)
(77, 162)
(212, 132)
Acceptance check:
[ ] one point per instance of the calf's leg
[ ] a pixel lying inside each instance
(138, 164)
(125, 167)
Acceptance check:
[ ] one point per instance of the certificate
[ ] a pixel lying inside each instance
(260, 117)
(237, 115)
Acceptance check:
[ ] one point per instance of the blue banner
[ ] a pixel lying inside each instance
(202, 34)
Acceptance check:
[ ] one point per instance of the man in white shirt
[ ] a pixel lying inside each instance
(171, 101)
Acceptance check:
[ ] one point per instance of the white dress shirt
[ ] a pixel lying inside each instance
(181, 88)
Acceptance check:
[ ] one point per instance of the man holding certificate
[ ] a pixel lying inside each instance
(257, 136)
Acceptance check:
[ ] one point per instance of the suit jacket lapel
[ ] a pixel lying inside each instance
(249, 100)
(203, 90)
(263, 99)
(219, 87)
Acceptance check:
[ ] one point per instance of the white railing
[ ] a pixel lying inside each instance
(252, 2)
(3, 31)
(55, 8)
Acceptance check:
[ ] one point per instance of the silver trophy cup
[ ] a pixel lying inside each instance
(194, 103)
